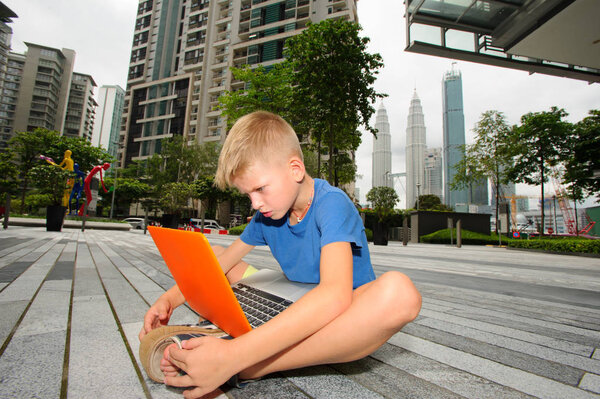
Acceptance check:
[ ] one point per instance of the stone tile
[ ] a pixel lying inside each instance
(274, 386)
(25, 286)
(49, 311)
(392, 382)
(11, 313)
(502, 336)
(325, 382)
(503, 375)
(498, 353)
(590, 382)
(98, 353)
(32, 366)
(445, 376)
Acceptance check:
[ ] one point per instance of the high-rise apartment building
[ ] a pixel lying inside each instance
(7, 103)
(41, 90)
(108, 118)
(382, 151)
(454, 135)
(81, 107)
(433, 183)
(180, 59)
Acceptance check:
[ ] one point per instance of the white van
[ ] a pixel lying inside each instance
(208, 224)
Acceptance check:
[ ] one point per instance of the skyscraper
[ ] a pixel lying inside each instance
(415, 151)
(454, 135)
(433, 183)
(81, 107)
(181, 57)
(108, 120)
(7, 103)
(382, 151)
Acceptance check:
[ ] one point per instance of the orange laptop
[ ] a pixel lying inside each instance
(249, 303)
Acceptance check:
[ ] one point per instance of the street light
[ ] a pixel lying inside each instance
(418, 194)
(112, 202)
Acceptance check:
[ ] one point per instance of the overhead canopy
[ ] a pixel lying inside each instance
(554, 37)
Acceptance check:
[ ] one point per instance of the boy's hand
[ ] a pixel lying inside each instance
(207, 362)
(158, 315)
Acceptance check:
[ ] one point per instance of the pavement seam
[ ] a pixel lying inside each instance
(20, 320)
(122, 333)
(64, 386)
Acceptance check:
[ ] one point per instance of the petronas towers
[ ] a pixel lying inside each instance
(415, 151)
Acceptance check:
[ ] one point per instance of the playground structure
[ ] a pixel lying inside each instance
(80, 181)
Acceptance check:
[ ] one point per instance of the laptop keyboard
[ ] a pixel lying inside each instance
(259, 306)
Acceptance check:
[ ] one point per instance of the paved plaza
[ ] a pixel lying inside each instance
(495, 323)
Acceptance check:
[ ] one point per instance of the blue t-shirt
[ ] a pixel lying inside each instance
(332, 217)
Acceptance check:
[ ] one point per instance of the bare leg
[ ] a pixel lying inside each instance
(379, 309)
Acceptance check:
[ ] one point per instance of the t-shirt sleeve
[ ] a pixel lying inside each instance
(338, 220)
(253, 234)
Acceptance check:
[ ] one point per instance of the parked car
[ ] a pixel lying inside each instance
(136, 223)
(208, 224)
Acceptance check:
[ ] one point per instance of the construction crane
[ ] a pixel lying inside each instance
(513, 207)
(565, 207)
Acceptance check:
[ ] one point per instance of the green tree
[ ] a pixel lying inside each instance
(205, 190)
(27, 148)
(128, 190)
(9, 174)
(582, 163)
(174, 197)
(333, 87)
(50, 180)
(538, 145)
(266, 90)
(489, 157)
(431, 202)
(383, 200)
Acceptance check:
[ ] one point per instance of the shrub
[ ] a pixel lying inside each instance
(467, 238)
(369, 234)
(566, 244)
(237, 230)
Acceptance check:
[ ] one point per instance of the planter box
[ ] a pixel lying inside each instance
(55, 215)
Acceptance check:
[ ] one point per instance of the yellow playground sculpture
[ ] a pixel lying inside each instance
(66, 164)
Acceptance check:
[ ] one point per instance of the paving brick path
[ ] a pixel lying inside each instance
(495, 323)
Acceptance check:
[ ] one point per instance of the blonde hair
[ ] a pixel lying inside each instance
(258, 136)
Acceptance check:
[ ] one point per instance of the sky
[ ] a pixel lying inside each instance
(101, 33)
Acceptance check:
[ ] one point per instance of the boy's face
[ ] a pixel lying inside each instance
(271, 186)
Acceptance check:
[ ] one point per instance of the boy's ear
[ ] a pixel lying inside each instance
(297, 168)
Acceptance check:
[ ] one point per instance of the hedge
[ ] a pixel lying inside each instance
(569, 245)
(549, 244)
(237, 230)
(467, 238)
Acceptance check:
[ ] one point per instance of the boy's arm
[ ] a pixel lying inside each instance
(233, 254)
(331, 297)
(309, 314)
(160, 312)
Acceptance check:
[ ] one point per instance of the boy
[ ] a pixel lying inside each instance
(316, 235)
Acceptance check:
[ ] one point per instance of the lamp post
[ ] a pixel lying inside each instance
(112, 202)
(418, 194)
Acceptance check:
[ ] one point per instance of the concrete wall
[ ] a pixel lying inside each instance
(426, 222)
